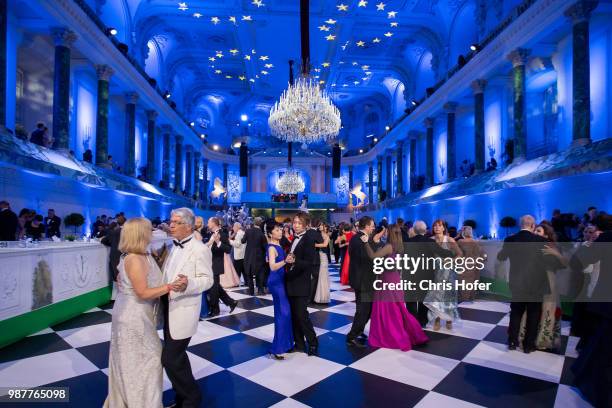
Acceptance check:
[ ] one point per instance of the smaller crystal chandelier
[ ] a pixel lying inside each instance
(290, 182)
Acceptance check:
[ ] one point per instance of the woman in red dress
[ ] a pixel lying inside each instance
(344, 243)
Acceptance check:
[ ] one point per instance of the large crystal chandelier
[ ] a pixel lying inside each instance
(304, 113)
(290, 183)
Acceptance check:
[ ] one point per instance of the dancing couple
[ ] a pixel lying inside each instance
(136, 353)
(290, 283)
(391, 326)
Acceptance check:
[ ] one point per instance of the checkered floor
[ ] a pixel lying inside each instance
(467, 366)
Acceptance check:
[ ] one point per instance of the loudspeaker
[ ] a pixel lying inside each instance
(336, 158)
(244, 161)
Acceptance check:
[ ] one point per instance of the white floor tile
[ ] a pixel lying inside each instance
(539, 364)
(336, 285)
(570, 397)
(225, 311)
(347, 328)
(414, 368)
(289, 403)
(347, 309)
(487, 305)
(95, 309)
(505, 321)
(238, 296)
(201, 368)
(269, 310)
(208, 331)
(85, 336)
(45, 369)
(43, 331)
(266, 333)
(435, 400)
(343, 296)
(287, 377)
(466, 328)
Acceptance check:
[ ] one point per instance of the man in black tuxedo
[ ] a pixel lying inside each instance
(219, 246)
(425, 247)
(302, 263)
(112, 240)
(528, 282)
(361, 279)
(53, 223)
(255, 256)
(8, 222)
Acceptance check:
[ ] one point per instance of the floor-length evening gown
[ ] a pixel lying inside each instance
(344, 275)
(283, 332)
(229, 278)
(443, 303)
(134, 366)
(391, 325)
(322, 293)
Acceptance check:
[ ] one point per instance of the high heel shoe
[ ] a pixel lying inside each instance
(276, 356)
(436, 325)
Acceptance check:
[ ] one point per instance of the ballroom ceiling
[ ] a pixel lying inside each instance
(222, 59)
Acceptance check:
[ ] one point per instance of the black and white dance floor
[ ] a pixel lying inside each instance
(467, 366)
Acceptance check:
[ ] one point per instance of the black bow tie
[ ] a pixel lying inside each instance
(181, 244)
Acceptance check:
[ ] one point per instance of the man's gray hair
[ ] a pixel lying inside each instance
(186, 215)
(527, 221)
(420, 228)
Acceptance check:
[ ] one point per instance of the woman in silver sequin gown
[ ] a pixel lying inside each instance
(135, 370)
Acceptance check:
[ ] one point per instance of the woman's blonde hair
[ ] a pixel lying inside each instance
(135, 236)
(199, 222)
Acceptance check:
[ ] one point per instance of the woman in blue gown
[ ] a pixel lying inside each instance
(283, 333)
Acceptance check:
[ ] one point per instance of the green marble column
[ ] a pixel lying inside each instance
(225, 182)
(379, 173)
(3, 60)
(104, 72)
(519, 59)
(61, 87)
(371, 183)
(478, 87)
(130, 133)
(178, 164)
(188, 169)
(351, 175)
(389, 173)
(451, 141)
(580, 14)
(413, 163)
(400, 168)
(166, 129)
(196, 174)
(151, 167)
(429, 152)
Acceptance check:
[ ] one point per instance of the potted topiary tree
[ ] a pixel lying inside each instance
(74, 220)
(507, 223)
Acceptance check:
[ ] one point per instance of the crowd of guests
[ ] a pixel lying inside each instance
(290, 261)
(28, 224)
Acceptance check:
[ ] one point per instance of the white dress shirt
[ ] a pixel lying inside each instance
(296, 241)
(175, 256)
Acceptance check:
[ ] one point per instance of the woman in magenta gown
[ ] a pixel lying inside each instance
(391, 325)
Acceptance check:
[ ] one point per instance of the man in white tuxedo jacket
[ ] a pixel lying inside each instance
(189, 266)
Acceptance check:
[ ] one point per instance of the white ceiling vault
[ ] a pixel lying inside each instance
(221, 59)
